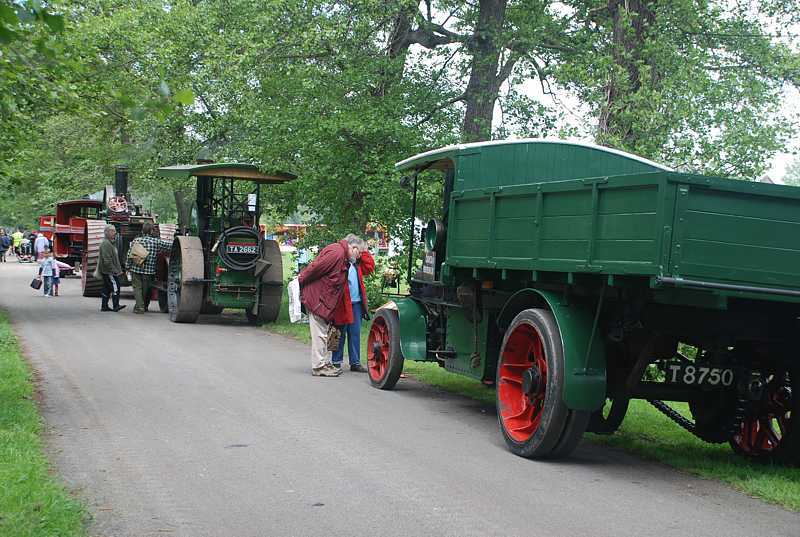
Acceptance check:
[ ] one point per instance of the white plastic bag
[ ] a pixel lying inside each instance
(294, 301)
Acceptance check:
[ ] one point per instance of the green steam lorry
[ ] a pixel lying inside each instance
(576, 278)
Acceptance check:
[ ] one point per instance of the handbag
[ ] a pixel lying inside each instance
(138, 252)
(333, 337)
(36, 283)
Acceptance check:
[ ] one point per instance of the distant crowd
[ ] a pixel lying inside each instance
(25, 245)
(33, 246)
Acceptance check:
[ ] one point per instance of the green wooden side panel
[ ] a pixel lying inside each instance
(613, 225)
(735, 235)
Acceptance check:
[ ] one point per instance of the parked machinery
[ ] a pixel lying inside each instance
(69, 226)
(576, 278)
(220, 260)
(47, 226)
(119, 209)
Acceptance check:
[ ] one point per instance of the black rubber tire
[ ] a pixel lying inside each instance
(385, 378)
(559, 429)
(600, 423)
(577, 421)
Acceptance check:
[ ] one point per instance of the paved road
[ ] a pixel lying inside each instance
(218, 430)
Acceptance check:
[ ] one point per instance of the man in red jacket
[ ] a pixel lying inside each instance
(322, 287)
(353, 308)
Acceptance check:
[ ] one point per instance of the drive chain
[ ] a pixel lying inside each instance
(736, 420)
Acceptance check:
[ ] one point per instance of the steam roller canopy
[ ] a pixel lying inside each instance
(239, 248)
(92, 237)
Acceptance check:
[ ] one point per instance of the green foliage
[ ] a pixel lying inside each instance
(691, 83)
(338, 93)
(32, 503)
(792, 176)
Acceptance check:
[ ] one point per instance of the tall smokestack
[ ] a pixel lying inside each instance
(121, 180)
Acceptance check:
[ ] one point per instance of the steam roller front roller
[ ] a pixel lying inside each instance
(185, 280)
(268, 305)
(92, 237)
(167, 233)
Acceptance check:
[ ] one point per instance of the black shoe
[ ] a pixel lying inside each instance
(358, 368)
(337, 366)
(106, 308)
(117, 308)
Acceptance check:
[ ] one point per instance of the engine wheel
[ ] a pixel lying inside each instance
(767, 432)
(92, 237)
(163, 302)
(184, 296)
(270, 291)
(384, 356)
(533, 418)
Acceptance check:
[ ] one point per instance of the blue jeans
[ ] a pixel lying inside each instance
(353, 334)
(48, 285)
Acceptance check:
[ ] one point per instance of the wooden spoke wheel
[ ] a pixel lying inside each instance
(533, 418)
(92, 237)
(270, 291)
(184, 281)
(384, 356)
(768, 432)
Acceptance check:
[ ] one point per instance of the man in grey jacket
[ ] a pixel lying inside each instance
(110, 270)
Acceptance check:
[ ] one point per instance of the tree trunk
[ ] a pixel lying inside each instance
(630, 22)
(396, 50)
(484, 79)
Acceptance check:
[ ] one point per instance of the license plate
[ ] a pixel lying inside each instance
(240, 248)
(699, 375)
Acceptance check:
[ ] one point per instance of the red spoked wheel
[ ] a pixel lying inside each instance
(384, 357)
(522, 382)
(767, 433)
(533, 418)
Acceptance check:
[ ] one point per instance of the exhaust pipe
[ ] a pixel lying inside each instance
(121, 180)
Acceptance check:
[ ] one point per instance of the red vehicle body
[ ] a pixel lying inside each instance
(47, 224)
(70, 227)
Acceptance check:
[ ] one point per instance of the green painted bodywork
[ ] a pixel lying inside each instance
(571, 208)
(232, 288)
(584, 356)
(655, 224)
(538, 214)
(473, 357)
(412, 328)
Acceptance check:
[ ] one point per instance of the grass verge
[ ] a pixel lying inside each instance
(645, 432)
(32, 502)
